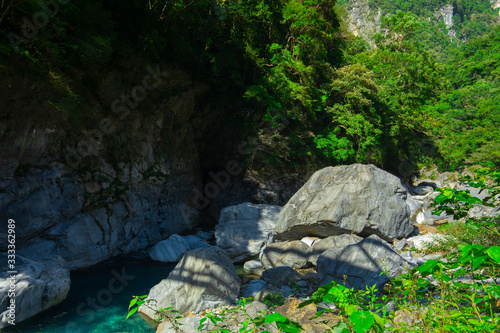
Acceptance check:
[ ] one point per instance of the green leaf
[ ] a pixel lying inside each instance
(494, 253)
(132, 302)
(275, 317)
(289, 328)
(478, 261)
(350, 309)
(448, 193)
(362, 320)
(493, 290)
(474, 200)
(380, 321)
(131, 312)
(341, 328)
(440, 198)
(428, 267)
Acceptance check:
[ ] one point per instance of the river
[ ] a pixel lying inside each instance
(99, 297)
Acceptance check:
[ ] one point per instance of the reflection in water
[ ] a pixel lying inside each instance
(99, 297)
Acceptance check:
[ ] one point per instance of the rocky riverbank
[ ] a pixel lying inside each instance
(356, 224)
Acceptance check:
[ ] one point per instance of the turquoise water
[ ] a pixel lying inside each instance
(98, 299)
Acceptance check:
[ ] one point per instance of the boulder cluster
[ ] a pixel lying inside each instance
(350, 224)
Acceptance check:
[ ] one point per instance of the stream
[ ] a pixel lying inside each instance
(99, 297)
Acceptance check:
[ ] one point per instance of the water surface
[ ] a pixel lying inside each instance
(99, 297)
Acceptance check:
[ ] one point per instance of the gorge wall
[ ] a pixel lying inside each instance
(120, 175)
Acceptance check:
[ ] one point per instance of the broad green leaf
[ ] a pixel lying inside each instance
(341, 328)
(478, 261)
(494, 253)
(466, 249)
(428, 267)
(493, 290)
(362, 320)
(275, 317)
(351, 308)
(448, 193)
(474, 200)
(289, 328)
(440, 198)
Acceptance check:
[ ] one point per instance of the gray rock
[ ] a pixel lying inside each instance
(422, 242)
(194, 242)
(206, 235)
(169, 250)
(205, 278)
(426, 217)
(479, 211)
(422, 189)
(254, 287)
(279, 276)
(402, 244)
(44, 206)
(254, 267)
(294, 254)
(360, 199)
(286, 291)
(324, 244)
(244, 229)
(39, 285)
(361, 263)
(414, 206)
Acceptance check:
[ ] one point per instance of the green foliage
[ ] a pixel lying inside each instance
(273, 300)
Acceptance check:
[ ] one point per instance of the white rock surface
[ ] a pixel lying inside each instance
(244, 229)
(169, 250)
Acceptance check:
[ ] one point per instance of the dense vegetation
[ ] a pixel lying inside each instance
(315, 93)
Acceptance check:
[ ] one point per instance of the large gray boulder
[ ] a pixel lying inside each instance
(37, 285)
(332, 242)
(361, 263)
(170, 249)
(294, 254)
(279, 276)
(205, 278)
(360, 199)
(244, 229)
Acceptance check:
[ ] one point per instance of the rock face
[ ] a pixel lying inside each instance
(47, 207)
(362, 263)
(363, 20)
(39, 285)
(294, 254)
(204, 278)
(360, 199)
(422, 242)
(245, 228)
(332, 242)
(279, 276)
(195, 242)
(169, 250)
(447, 13)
